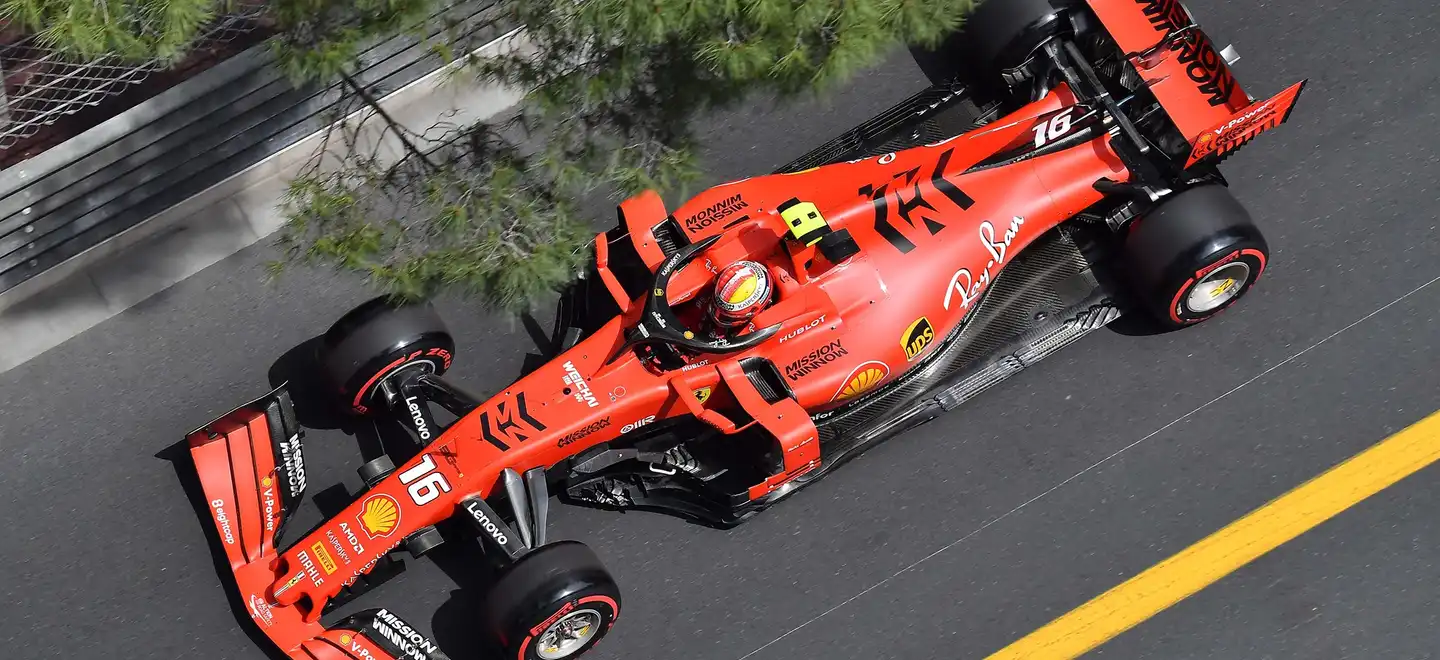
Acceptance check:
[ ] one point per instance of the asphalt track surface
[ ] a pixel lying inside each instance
(949, 542)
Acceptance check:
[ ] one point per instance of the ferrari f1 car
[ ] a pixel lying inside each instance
(1069, 174)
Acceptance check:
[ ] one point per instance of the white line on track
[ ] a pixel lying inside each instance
(1081, 473)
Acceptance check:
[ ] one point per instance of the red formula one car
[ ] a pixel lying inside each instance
(716, 358)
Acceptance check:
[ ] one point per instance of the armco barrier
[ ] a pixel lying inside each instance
(94, 193)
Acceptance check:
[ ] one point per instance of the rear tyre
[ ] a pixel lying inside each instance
(555, 603)
(377, 340)
(998, 36)
(1194, 256)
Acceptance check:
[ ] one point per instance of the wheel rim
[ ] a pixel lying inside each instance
(1218, 288)
(424, 365)
(568, 635)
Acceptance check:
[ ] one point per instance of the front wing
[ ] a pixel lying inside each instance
(252, 473)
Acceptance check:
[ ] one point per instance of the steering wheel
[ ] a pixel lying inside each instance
(659, 324)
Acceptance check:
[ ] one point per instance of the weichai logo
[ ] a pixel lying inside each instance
(379, 515)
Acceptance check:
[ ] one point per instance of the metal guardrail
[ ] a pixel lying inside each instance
(39, 86)
(189, 138)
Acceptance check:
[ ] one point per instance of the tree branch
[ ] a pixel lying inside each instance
(394, 125)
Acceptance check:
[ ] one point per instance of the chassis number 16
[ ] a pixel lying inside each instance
(1053, 129)
(425, 484)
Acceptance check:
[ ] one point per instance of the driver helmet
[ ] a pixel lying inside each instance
(742, 289)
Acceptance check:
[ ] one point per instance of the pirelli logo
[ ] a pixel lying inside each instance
(323, 556)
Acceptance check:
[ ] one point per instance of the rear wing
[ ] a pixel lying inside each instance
(1176, 60)
(1224, 138)
(1190, 78)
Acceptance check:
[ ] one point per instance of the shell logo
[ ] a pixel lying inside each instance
(379, 515)
(345, 638)
(863, 379)
(266, 482)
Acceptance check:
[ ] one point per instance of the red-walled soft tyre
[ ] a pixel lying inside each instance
(1194, 256)
(378, 339)
(555, 603)
(997, 36)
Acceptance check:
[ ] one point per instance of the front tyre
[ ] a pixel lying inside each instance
(555, 603)
(377, 340)
(1194, 256)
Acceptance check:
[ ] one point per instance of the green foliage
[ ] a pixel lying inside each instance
(135, 30)
(319, 40)
(478, 218)
(613, 88)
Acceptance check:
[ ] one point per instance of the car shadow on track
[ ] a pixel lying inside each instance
(940, 64)
(457, 623)
(299, 369)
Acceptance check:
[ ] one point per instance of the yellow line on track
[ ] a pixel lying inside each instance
(1221, 553)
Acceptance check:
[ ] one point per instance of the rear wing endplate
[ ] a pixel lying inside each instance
(1223, 139)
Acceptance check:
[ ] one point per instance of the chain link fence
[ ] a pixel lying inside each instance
(42, 87)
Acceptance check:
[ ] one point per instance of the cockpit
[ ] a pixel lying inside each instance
(728, 314)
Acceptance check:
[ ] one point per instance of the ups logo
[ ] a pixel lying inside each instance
(917, 337)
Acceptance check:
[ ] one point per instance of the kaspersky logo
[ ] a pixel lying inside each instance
(379, 515)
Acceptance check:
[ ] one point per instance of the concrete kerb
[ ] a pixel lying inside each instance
(219, 221)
